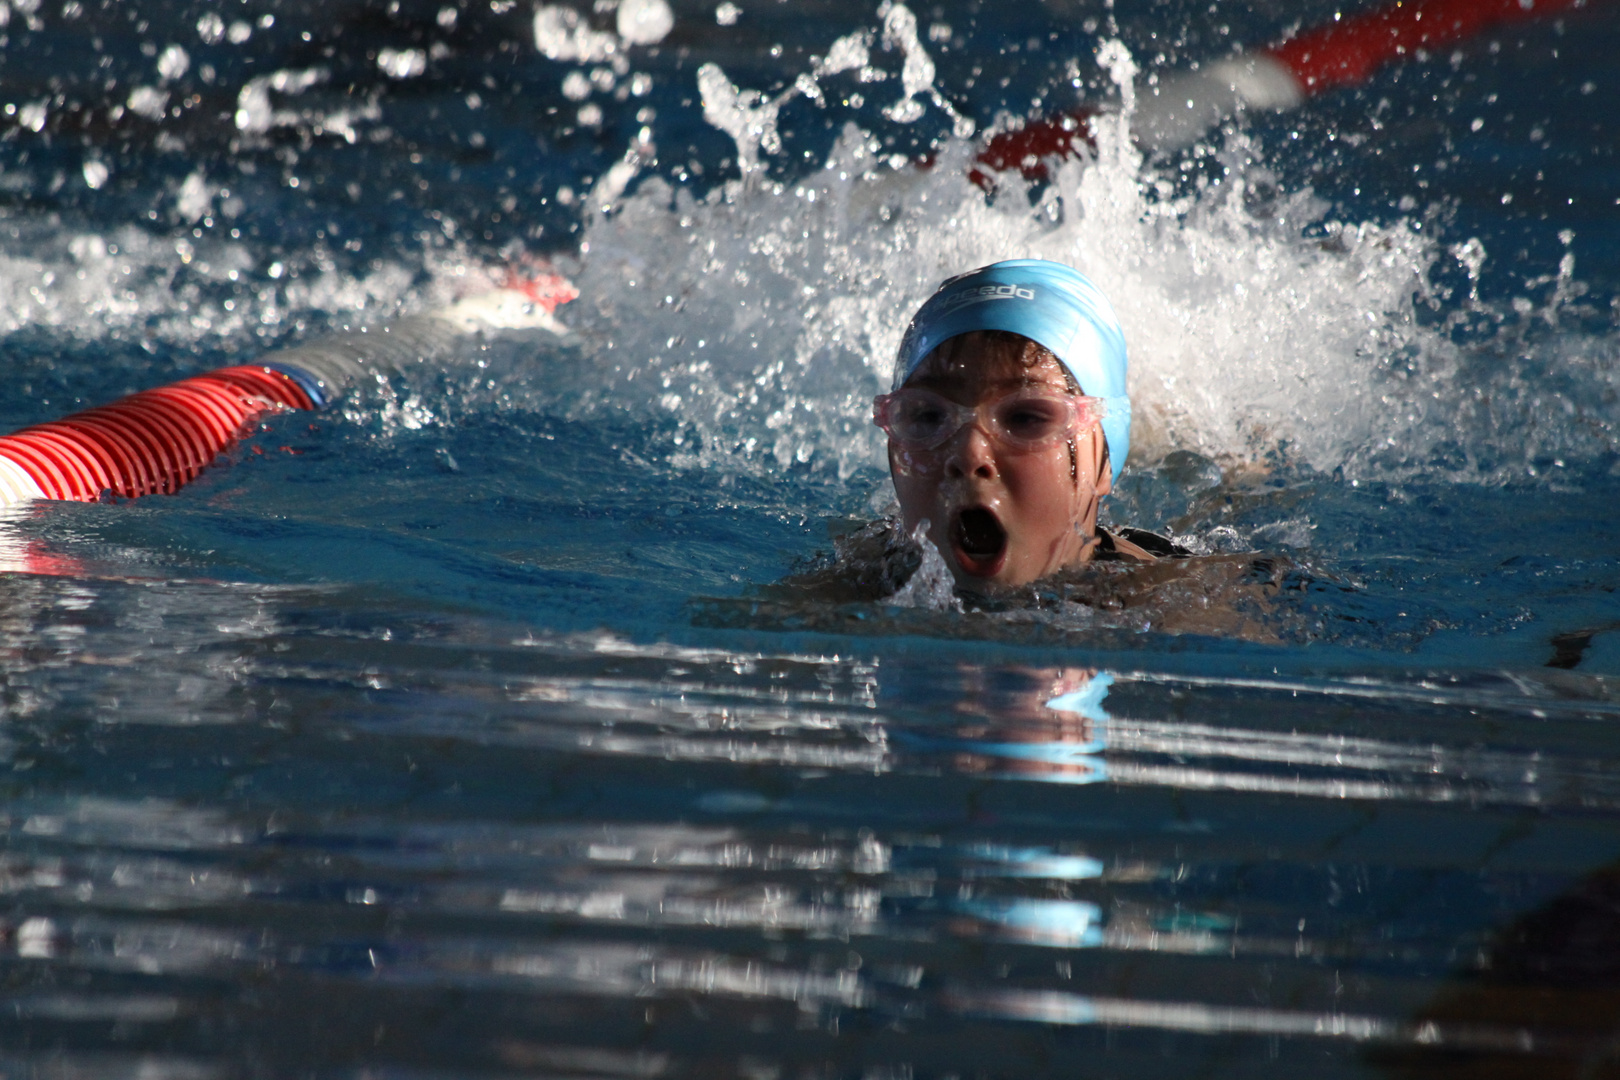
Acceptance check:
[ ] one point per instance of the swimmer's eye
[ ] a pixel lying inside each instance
(919, 420)
(1032, 419)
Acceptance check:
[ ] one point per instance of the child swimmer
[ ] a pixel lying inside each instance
(1010, 422)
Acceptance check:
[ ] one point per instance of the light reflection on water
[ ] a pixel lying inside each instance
(795, 833)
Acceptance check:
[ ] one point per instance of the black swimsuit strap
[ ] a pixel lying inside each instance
(1161, 547)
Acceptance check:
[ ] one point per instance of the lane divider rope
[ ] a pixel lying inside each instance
(149, 442)
(156, 441)
(1175, 110)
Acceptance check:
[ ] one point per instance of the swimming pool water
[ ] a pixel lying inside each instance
(460, 731)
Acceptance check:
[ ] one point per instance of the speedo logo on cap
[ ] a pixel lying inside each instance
(984, 293)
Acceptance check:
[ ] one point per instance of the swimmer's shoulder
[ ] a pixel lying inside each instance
(1136, 545)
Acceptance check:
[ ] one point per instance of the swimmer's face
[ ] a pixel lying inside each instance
(999, 515)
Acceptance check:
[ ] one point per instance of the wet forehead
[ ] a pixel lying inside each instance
(975, 365)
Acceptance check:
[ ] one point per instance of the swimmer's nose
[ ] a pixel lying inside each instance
(971, 454)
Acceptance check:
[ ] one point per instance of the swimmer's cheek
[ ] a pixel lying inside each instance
(907, 463)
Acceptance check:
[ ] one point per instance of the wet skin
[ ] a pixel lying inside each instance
(1000, 516)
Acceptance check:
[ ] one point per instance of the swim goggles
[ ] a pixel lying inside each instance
(1022, 421)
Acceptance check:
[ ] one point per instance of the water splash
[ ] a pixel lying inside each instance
(746, 115)
(917, 72)
(749, 117)
(129, 282)
(644, 22)
(754, 323)
(932, 586)
(561, 33)
(1258, 327)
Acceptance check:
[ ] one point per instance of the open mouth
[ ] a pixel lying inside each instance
(980, 541)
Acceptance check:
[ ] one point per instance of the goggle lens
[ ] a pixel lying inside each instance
(1032, 421)
(923, 420)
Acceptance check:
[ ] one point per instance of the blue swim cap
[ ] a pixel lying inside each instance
(1050, 304)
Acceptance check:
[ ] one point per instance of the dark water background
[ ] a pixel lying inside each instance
(450, 734)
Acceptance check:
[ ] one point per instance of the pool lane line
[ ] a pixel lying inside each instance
(1177, 110)
(158, 440)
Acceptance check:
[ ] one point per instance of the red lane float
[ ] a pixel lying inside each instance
(149, 442)
(1348, 52)
(157, 441)
(1181, 107)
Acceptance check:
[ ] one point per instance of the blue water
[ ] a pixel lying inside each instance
(462, 730)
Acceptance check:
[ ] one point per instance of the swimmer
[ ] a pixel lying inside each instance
(1009, 423)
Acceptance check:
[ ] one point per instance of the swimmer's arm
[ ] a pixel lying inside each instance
(867, 565)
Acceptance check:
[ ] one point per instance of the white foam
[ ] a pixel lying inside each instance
(95, 173)
(196, 197)
(89, 285)
(402, 63)
(561, 34)
(917, 74)
(644, 22)
(848, 53)
(148, 101)
(749, 116)
(174, 63)
(255, 112)
(746, 115)
(210, 28)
